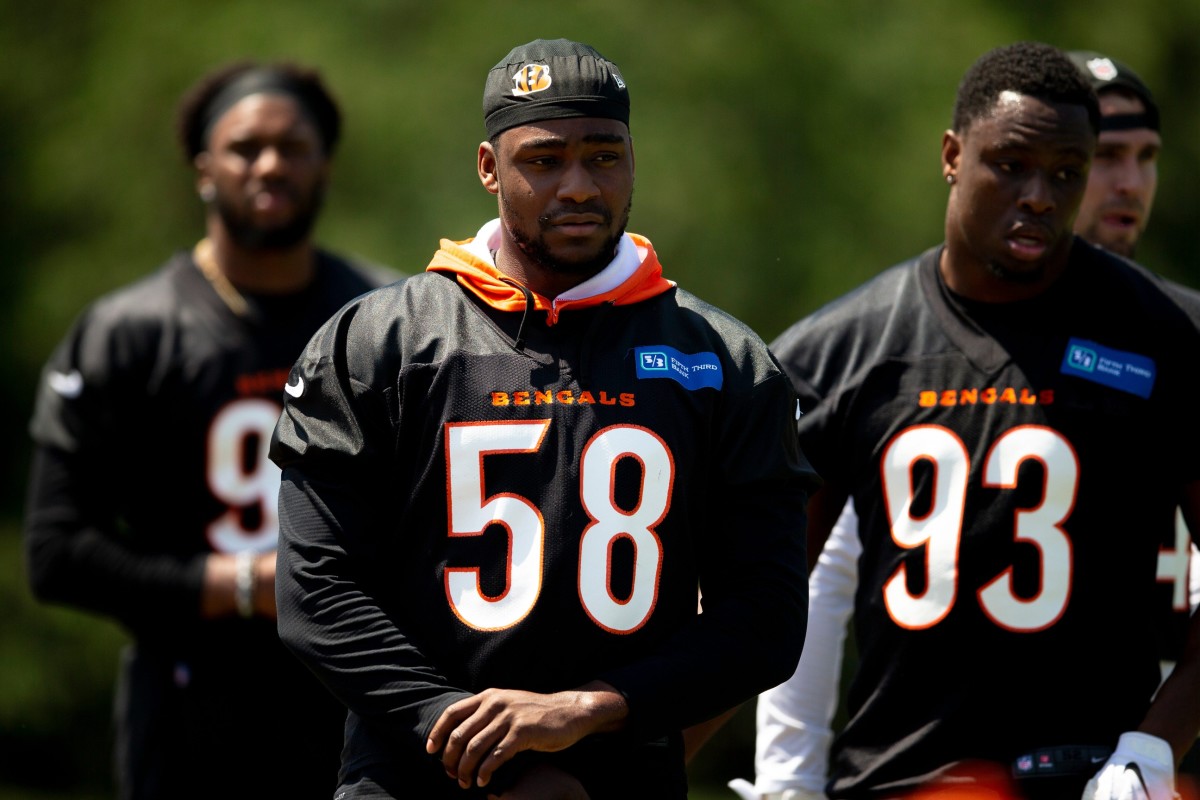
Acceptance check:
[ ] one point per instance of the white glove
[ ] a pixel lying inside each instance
(745, 790)
(1141, 768)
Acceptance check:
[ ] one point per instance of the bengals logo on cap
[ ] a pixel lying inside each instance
(531, 78)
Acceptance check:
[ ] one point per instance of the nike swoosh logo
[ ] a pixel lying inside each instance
(67, 384)
(1098, 759)
(294, 389)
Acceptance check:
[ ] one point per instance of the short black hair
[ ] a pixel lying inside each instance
(192, 112)
(1031, 68)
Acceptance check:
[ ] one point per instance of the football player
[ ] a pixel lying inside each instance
(152, 498)
(967, 548)
(505, 479)
(794, 720)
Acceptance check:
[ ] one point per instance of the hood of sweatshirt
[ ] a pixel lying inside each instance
(632, 276)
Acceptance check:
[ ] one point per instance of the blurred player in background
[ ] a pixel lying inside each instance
(1124, 173)
(152, 499)
(1114, 214)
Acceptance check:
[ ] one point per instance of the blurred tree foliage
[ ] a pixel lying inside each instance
(787, 150)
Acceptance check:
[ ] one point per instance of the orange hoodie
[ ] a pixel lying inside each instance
(481, 277)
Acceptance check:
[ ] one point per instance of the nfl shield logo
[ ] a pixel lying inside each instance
(1102, 68)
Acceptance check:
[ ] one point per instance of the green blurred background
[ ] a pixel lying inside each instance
(786, 152)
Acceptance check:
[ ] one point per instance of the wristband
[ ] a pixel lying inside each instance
(243, 592)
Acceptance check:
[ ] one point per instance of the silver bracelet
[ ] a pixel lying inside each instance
(244, 584)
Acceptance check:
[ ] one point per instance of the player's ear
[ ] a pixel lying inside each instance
(486, 165)
(204, 181)
(951, 155)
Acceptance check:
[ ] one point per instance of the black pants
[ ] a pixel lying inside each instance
(190, 731)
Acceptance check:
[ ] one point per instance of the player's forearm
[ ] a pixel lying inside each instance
(73, 559)
(333, 624)
(604, 708)
(89, 570)
(395, 686)
(795, 719)
(1175, 714)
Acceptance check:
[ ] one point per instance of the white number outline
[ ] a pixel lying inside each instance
(232, 485)
(940, 535)
(940, 530)
(1040, 525)
(470, 513)
(601, 455)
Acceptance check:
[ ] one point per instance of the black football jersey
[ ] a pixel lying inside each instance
(1015, 468)
(480, 493)
(152, 424)
(162, 401)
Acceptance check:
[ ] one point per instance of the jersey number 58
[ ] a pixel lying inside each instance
(471, 513)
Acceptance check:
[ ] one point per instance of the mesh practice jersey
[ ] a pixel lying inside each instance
(152, 424)
(1015, 468)
(488, 490)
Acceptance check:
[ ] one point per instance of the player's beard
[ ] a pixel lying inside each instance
(537, 250)
(246, 233)
(1121, 247)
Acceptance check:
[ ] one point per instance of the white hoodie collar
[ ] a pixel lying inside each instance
(626, 262)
